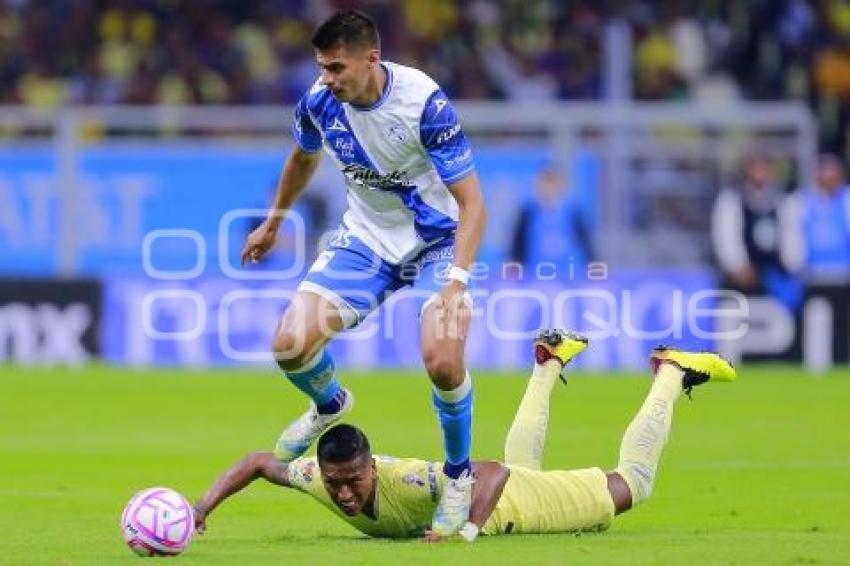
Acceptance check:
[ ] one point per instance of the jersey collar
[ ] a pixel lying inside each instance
(388, 86)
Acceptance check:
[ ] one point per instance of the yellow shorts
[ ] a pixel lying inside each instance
(556, 501)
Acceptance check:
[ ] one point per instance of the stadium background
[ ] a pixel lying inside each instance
(130, 130)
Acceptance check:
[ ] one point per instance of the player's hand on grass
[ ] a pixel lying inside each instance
(200, 520)
(469, 532)
(260, 241)
(431, 536)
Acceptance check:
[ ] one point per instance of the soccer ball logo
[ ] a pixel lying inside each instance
(158, 522)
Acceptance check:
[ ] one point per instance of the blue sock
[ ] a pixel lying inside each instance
(456, 421)
(335, 404)
(319, 383)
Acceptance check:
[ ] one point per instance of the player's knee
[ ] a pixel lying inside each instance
(290, 350)
(445, 371)
(639, 480)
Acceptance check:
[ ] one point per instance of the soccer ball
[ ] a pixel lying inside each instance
(158, 522)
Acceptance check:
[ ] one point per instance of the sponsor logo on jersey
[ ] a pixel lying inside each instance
(447, 135)
(440, 254)
(337, 125)
(432, 482)
(365, 177)
(344, 147)
(459, 160)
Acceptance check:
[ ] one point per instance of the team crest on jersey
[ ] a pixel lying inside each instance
(397, 134)
(303, 474)
(413, 479)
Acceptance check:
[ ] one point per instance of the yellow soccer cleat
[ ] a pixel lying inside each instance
(699, 367)
(558, 345)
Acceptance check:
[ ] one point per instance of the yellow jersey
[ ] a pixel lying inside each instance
(532, 501)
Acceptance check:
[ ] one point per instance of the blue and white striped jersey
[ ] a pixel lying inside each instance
(397, 157)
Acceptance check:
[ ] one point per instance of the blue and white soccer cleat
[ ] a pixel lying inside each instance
(452, 511)
(303, 431)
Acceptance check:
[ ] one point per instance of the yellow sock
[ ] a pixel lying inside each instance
(527, 436)
(647, 434)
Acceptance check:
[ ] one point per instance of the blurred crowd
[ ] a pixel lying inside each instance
(223, 52)
(767, 241)
(793, 248)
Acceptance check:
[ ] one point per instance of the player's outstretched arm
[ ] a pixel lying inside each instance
(296, 173)
(257, 465)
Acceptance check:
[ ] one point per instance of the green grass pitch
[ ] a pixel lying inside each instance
(756, 472)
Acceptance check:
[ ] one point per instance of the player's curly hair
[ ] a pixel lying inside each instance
(350, 28)
(342, 443)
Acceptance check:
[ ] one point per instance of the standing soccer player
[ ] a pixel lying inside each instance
(415, 217)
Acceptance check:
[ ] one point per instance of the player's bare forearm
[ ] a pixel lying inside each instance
(256, 465)
(472, 219)
(490, 480)
(296, 173)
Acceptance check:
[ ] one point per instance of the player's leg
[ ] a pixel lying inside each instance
(444, 330)
(443, 344)
(640, 451)
(553, 349)
(308, 323)
(345, 283)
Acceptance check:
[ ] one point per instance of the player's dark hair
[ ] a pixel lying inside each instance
(350, 28)
(342, 443)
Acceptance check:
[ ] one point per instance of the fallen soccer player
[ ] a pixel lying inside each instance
(395, 497)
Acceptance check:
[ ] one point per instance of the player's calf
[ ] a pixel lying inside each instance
(300, 353)
(290, 350)
(675, 371)
(453, 399)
